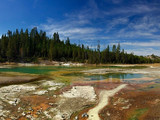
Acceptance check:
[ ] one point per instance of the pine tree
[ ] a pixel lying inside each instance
(27, 47)
(118, 53)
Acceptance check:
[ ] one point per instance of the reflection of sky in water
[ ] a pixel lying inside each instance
(127, 78)
(124, 77)
(142, 81)
(120, 76)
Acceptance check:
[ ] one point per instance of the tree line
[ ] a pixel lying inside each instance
(25, 46)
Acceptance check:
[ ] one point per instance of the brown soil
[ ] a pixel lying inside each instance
(32, 104)
(38, 103)
(98, 84)
(129, 102)
(16, 80)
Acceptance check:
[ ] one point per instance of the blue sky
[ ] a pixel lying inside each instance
(135, 24)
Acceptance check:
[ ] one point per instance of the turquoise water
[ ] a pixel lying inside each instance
(43, 70)
(47, 69)
(30, 70)
(33, 70)
(40, 69)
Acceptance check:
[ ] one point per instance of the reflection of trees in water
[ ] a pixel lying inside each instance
(110, 77)
(123, 76)
(97, 77)
(119, 76)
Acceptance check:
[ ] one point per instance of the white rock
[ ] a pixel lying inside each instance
(86, 92)
(47, 115)
(53, 88)
(51, 83)
(41, 92)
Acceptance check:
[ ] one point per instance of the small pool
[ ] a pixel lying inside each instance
(121, 76)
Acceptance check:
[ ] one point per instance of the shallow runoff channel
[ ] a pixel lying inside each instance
(103, 101)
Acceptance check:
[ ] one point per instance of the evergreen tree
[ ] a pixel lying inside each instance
(118, 53)
(29, 46)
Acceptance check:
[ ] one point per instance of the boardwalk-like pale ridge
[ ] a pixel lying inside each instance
(104, 98)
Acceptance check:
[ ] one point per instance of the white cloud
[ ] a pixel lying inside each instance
(76, 25)
(144, 51)
(72, 29)
(145, 27)
(143, 44)
(140, 48)
(133, 9)
(116, 21)
(114, 25)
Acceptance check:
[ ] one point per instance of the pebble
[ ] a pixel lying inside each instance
(23, 114)
(1, 107)
(85, 115)
(76, 118)
(51, 104)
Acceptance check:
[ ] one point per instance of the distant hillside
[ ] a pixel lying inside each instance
(154, 58)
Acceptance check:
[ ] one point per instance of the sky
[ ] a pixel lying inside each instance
(135, 24)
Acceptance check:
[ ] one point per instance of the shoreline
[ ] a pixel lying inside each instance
(70, 63)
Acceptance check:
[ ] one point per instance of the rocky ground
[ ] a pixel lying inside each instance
(51, 99)
(27, 100)
(42, 101)
(133, 104)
